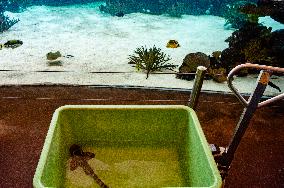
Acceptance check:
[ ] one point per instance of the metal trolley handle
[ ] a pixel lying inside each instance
(225, 158)
(264, 79)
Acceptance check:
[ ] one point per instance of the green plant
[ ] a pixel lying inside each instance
(150, 60)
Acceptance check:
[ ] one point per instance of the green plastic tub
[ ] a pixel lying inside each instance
(134, 146)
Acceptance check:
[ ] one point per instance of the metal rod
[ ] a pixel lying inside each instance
(253, 66)
(236, 92)
(268, 101)
(198, 81)
(246, 116)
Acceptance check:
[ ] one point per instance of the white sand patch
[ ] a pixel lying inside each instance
(102, 43)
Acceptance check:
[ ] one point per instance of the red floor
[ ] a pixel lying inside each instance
(25, 114)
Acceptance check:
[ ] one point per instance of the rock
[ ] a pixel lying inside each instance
(53, 55)
(190, 64)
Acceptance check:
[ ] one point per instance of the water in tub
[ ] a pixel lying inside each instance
(128, 167)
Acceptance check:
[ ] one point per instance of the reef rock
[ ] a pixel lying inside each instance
(190, 64)
(251, 43)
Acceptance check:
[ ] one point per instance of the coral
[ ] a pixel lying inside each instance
(252, 43)
(150, 60)
(255, 51)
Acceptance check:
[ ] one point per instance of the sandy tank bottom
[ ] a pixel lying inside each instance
(129, 167)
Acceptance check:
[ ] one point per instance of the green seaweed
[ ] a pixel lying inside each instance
(150, 60)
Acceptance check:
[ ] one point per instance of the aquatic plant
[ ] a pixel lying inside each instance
(6, 22)
(12, 6)
(150, 60)
(237, 19)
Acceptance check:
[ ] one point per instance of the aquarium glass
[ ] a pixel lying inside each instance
(148, 43)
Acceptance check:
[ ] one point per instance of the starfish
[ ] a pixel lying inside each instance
(80, 158)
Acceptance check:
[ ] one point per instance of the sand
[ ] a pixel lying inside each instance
(102, 43)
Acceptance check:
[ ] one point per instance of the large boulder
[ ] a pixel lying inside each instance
(190, 64)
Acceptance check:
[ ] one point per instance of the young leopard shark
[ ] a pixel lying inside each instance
(79, 158)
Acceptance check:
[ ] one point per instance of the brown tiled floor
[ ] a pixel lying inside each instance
(26, 111)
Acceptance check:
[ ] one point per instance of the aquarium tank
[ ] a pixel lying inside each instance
(127, 71)
(147, 43)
